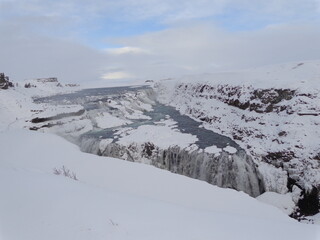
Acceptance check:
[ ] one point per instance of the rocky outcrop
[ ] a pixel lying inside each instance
(58, 116)
(259, 100)
(4, 81)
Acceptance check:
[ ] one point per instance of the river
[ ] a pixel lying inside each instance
(90, 98)
(230, 170)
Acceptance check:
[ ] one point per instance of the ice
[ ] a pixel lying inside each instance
(106, 120)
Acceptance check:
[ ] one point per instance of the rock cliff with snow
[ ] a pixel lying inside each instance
(272, 112)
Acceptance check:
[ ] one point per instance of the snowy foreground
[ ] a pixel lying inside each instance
(114, 199)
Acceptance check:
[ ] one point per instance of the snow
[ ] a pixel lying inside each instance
(213, 149)
(161, 136)
(17, 106)
(14, 106)
(296, 75)
(282, 201)
(116, 199)
(53, 110)
(230, 149)
(314, 219)
(132, 105)
(106, 120)
(104, 143)
(44, 89)
(169, 122)
(72, 127)
(275, 179)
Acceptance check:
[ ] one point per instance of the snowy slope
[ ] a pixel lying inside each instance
(115, 199)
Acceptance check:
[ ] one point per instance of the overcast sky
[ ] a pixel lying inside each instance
(90, 40)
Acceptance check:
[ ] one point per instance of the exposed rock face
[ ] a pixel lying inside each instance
(4, 82)
(57, 117)
(236, 171)
(259, 100)
(46, 80)
(309, 203)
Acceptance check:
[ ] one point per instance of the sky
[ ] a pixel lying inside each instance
(104, 41)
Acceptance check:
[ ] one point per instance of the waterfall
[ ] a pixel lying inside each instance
(236, 171)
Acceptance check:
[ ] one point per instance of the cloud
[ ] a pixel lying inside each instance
(47, 38)
(125, 50)
(116, 75)
(26, 55)
(164, 10)
(205, 48)
(173, 52)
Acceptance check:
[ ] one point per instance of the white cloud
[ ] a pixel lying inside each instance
(116, 75)
(125, 50)
(204, 48)
(26, 55)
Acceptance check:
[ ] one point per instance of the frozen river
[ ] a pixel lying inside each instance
(91, 100)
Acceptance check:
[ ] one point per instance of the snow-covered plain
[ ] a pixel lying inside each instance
(115, 199)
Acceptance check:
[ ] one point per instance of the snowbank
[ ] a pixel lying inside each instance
(282, 201)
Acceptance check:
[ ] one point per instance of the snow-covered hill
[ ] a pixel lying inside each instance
(272, 112)
(114, 199)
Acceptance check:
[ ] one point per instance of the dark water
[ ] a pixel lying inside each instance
(89, 98)
(186, 124)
